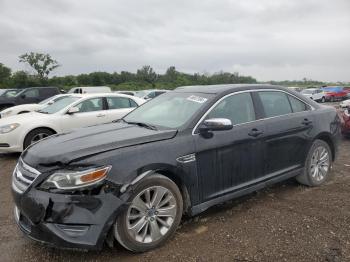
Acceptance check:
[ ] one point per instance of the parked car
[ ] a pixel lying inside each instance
(295, 88)
(77, 110)
(90, 90)
(182, 152)
(26, 108)
(345, 104)
(9, 92)
(344, 114)
(28, 96)
(347, 90)
(316, 94)
(335, 93)
(150, 94)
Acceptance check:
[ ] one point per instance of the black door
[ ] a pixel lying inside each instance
(230, 159)
(288, 131)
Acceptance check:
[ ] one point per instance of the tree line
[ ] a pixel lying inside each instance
(43, 64)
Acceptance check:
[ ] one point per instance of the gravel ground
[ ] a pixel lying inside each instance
(286, 222)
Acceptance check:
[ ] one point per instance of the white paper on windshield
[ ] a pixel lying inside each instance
(197, 99)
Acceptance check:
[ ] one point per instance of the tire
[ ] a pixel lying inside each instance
(36, 135)
(323, 100)
(142, 240)
(319, 158)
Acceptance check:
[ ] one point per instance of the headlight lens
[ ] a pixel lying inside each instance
(67, 179)
(8, 128)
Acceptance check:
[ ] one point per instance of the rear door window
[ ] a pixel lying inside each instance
(275, 103)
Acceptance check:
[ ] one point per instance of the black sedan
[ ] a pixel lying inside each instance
(182, 152)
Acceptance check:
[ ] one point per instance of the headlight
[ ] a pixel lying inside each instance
(8, 128)
(67, 179)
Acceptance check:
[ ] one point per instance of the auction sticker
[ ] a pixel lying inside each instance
(197, 99)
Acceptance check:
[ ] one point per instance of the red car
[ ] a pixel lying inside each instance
(345, 121)
(335, 93)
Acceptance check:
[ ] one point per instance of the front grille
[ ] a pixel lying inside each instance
(23, 176)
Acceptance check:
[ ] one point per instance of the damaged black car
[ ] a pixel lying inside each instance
(132, 180)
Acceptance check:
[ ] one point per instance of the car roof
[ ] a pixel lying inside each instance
(216, 89)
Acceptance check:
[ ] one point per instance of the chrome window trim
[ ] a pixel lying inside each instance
(249, 91)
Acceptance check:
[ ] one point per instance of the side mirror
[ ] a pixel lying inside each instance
(215, 124)
(72, 110)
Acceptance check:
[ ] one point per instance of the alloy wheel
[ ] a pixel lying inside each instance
(151, 214)
(38, 137)
(319, 164)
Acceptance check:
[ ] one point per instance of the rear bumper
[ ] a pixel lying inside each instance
(66, 221)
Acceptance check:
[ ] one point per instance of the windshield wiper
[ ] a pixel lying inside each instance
(43, 112)
(136, 123)
(142, 125)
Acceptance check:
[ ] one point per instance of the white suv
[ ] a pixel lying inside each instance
(316, 94)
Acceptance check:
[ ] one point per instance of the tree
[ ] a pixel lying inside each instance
(43, 64)
(147, 74)
(5, 74)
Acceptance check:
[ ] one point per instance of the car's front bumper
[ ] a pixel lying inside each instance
(66, 221)
(11, 142)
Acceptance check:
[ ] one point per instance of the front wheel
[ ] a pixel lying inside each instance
(36, 135)
(317, 165)
(154, 213)
(323, 100)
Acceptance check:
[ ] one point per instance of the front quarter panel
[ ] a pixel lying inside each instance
(160, 156)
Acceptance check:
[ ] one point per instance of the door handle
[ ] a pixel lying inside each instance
(306, 122)
(255, 132)
(101, 115)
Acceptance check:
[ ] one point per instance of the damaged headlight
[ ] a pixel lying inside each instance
(68, 179)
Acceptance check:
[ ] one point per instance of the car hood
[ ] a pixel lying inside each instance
(66, 148)
(23, 118)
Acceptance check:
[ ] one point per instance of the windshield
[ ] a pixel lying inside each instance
(52, 98)
(59, 105)
(10, 93)
(170, 110)
(307, 91)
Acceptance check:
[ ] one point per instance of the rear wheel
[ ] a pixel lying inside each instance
(323, 100)
(317, 166)
(153, 215)
(36, 135)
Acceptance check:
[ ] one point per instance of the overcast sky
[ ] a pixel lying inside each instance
(267, 39)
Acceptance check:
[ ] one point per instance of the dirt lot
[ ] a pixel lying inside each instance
(287, 222)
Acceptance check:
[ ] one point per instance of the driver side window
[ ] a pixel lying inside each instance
(90, 105)
(238, 108)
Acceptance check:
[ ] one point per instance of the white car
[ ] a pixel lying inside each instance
(71, 112)
(26, 108)
(316, 94)
(345, 104)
